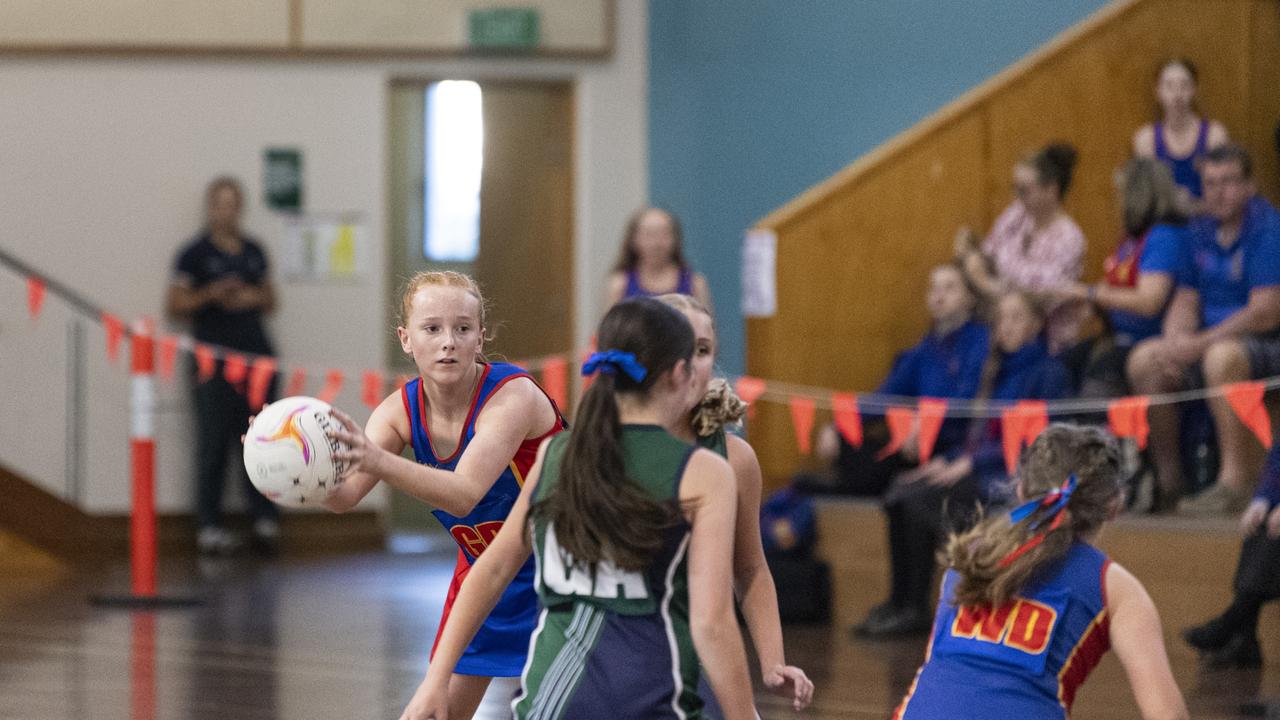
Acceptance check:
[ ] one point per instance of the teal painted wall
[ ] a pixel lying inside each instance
(753, 101)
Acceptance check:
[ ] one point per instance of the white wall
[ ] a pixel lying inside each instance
(102, 164)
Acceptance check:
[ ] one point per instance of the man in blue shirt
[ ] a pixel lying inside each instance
(1221, 327)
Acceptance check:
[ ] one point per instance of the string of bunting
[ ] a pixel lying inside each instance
(1021, 420)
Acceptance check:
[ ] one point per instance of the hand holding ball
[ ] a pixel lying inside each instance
(289, 454)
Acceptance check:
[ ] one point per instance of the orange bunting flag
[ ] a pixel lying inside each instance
(297, 382)
(844, 410)
(555, 380)
(114, 329)
(749, 389)
(168, 356)
(1022, 424)
(900, 421)
(371, 392)
(1128, 418)
(234, 368)
(802, 410)
(35, 296)
(332, 386)
(264, 368)
(932, 412)
(205, 362)
(1246, 399)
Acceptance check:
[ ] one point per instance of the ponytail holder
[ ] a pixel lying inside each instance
(1056, 502)
(610, 362)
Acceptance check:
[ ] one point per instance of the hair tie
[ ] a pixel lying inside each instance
(610, 362)
(1056, 502)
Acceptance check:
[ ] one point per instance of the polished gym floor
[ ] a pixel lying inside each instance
(346, 637)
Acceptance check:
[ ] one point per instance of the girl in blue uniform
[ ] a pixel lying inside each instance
(1028, 606)
(1181, 136)
(475, 428)
(633, 530)
(652, 260)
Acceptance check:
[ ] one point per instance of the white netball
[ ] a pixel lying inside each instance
(288, 454)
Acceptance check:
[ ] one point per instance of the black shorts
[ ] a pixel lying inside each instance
(1264, 355)
(1263, 352)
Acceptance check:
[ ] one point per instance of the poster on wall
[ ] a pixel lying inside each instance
(759, 279)
(325, 246)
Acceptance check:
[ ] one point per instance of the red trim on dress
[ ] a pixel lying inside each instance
(1084, 657)
(529, 446)
(462, 436)
(404, 398)
(455, 586)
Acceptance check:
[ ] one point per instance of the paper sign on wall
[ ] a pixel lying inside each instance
(325, 246)
(759, 274)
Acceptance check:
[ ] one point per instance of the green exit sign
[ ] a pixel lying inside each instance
(503, 29)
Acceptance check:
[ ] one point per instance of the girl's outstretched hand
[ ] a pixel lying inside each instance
(790, 681)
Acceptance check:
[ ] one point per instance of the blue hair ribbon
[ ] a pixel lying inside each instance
(1056, 501)
(610, 362)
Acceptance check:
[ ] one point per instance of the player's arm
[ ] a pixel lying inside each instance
(1217, 135)
(1261, 314)
(1139, 644)
(701, 290)
(753, 583)
(1144, 142)
(260, 296)
(1183, 314)
(388, 429)
(507, 420)
(1147, 298)
(707, 491)
(489, 577)
(182, 300)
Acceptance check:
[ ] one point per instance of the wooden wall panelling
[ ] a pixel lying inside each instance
(855, 250)
(1264, 95)
(852, 278)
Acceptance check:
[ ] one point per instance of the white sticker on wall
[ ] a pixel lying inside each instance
(759, 268)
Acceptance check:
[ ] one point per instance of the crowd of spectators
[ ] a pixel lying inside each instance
(1188, 299)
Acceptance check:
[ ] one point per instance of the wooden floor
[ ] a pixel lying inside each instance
(347, 637)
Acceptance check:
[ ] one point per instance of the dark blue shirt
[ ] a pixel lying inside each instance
(1029, 373)
(1163, 251)
(1224, 276)
(942, 367)
(201, 263)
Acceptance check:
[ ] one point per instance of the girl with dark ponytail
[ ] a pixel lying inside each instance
(1028, 606)
(633, 531)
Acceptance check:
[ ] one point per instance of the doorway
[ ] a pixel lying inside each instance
(500, 210)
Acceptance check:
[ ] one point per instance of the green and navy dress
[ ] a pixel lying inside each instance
(614, 644)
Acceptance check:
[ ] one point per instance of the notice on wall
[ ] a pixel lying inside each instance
(759, 273)
(325, 246)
